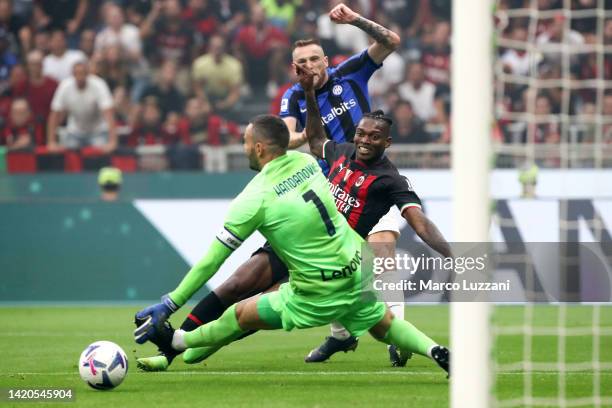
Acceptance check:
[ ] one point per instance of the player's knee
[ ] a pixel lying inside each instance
(379, 330)
(244, 314)
(239, 311)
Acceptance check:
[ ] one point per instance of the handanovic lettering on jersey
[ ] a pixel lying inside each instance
(364, 193)
(342, 100)
(296, 179)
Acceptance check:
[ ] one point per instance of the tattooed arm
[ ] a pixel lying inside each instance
(386, 41)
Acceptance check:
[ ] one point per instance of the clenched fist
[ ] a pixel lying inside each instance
(342, 14)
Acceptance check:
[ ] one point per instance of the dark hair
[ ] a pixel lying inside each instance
(379, 115)
(272, 129)
(110, 187)
(303, 43)
(55, 30)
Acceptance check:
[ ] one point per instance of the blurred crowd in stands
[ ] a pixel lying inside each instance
(126, 73)
(552, 69)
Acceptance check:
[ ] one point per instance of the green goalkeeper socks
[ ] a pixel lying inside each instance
(404, 335)
(219, 332)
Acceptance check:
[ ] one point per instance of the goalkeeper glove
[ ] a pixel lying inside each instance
(149, 317)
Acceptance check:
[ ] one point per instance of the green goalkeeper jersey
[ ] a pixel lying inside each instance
(290, 204)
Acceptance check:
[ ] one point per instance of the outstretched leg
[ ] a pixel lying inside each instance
(409, 339)
(251, 314)
(254, 276)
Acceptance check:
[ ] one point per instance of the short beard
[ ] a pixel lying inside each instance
(253, 164)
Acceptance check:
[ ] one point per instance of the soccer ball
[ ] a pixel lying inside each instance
(103, 365)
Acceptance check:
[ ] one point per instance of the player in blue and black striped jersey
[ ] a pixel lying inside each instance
(342, 91)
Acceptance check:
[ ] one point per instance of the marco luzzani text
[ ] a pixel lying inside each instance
(461, 266)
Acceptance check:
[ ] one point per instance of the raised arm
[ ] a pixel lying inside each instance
(296, 139)
(243, 218)
(315, 134)
(427, 230)
(386, 41)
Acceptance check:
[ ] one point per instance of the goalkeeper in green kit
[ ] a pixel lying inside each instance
(290, 204)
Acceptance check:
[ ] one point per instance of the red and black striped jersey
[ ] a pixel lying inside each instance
(364, 193)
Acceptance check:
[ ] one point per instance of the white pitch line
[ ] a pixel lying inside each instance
(328, 373)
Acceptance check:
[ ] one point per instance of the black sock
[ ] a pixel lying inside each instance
(210, 308)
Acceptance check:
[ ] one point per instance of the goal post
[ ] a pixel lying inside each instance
(471, 121)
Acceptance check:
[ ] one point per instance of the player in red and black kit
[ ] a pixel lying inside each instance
(365, 184)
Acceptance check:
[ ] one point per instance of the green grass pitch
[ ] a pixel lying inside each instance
(41, 346)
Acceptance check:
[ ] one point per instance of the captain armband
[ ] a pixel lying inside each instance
(228, 239)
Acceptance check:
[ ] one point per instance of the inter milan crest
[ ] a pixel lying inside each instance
(337, 90)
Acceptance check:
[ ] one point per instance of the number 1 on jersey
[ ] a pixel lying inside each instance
(312, 196)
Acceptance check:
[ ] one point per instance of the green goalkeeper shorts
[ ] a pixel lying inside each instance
(302, 312)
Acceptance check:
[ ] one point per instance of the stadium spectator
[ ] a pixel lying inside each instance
(281, 13)
(124, 110)
(515, 60)
(87, 42)
(149, 129)
(203, 127)
(23, 9)
(18, 31)
(439, 10)
(137, 10)
(21, 131)
(545, 131)
(15, 87)
(202, 16)
(112, 66)
(407, 14)
(164, 92)
(218, 77)
(232, 15)
(392, 99)
(116, 32)
(346, 38)
(7, 60)
(407, 127)
(608, 32)
(386, 78)
(436, 57)
(39, 88)
(42, 38)
(86, 101)
(58, 64)
(261, 47)
(419, 92)
(306, 27)
(554, 32)
(169, 37)
(64, 15)
(291, 78)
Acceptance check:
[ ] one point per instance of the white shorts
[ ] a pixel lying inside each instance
(388, 222)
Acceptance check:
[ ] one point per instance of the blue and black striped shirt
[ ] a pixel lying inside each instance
(342, 100)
